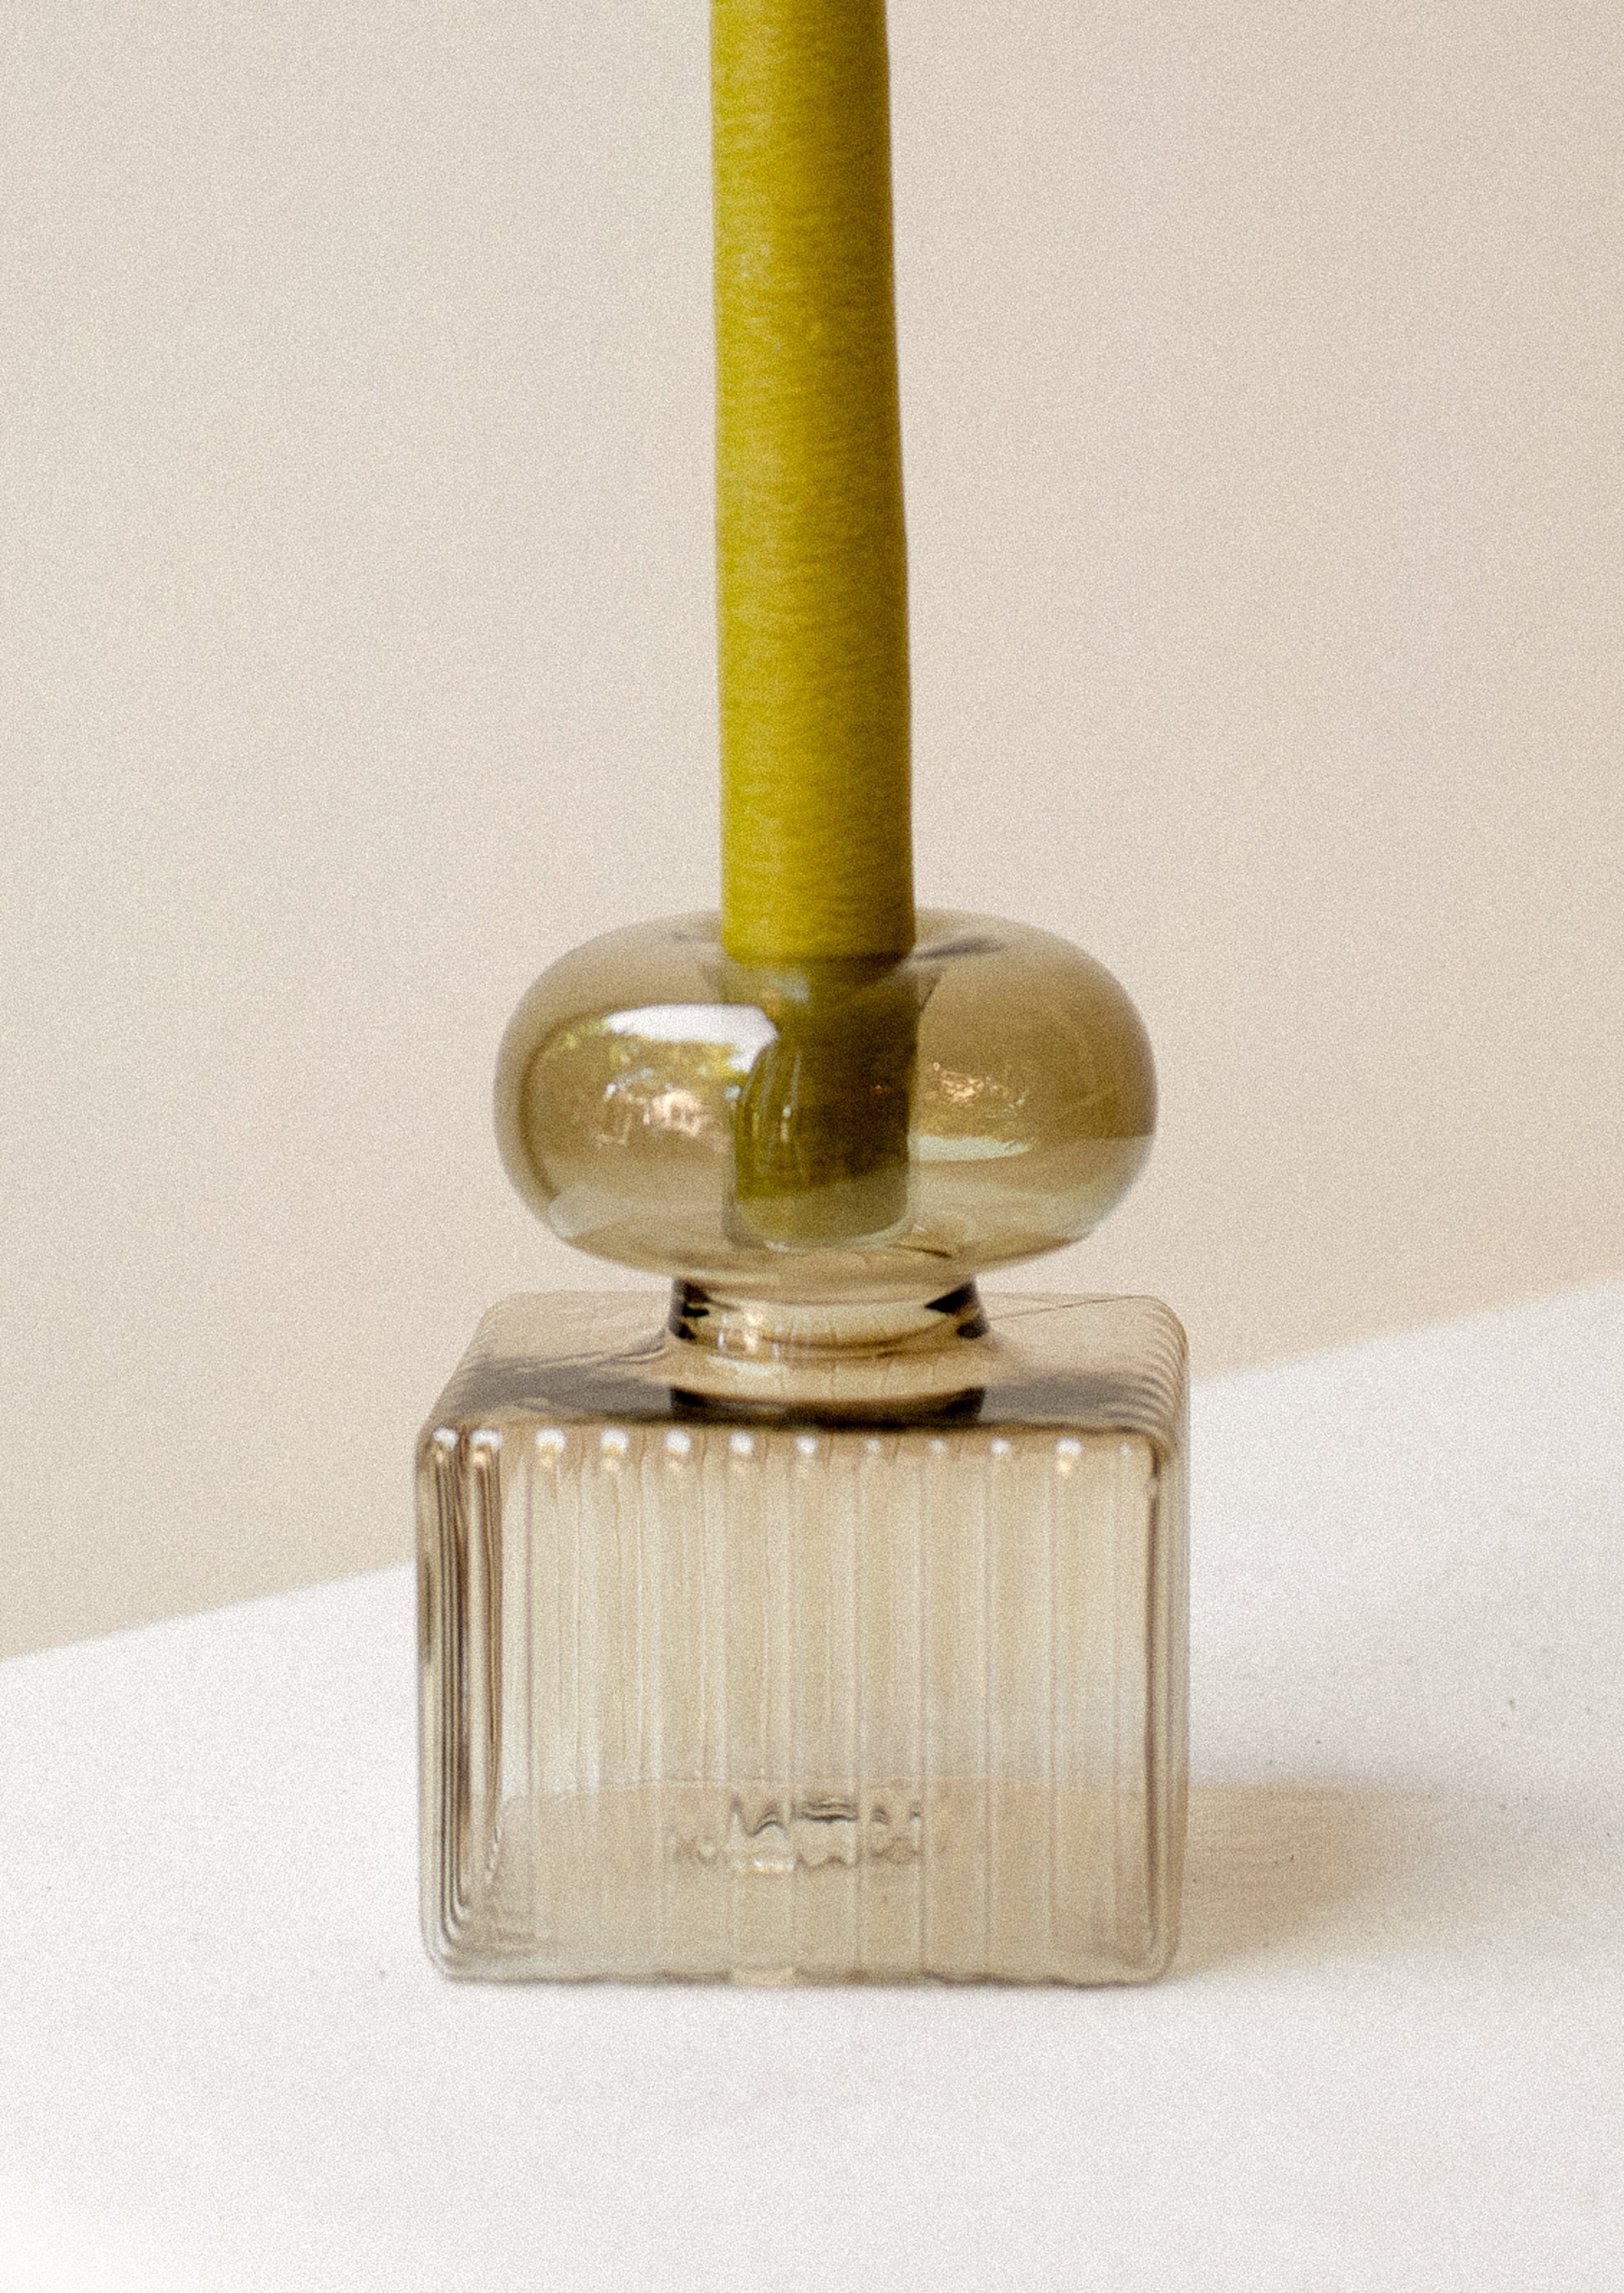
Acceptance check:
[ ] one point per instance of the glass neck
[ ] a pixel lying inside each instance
(778, 1330)
(852, 1358)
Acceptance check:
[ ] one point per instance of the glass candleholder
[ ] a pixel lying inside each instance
(824, 1623)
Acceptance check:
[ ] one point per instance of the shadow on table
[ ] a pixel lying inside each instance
(1307, 1871)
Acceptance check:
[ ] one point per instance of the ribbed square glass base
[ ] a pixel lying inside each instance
(779, 1694)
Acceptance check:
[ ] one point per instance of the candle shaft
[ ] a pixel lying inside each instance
(810, 562)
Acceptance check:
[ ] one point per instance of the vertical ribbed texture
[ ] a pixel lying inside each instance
(789, 1703)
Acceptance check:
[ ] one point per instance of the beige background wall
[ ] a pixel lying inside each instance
(1261, 375)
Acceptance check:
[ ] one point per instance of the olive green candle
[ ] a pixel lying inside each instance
(812, 570)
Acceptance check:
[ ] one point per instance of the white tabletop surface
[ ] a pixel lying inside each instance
(1391, 2054)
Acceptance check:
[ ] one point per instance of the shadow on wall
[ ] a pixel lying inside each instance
(1312, 1871)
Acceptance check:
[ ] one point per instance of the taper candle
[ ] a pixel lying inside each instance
(810, 562)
